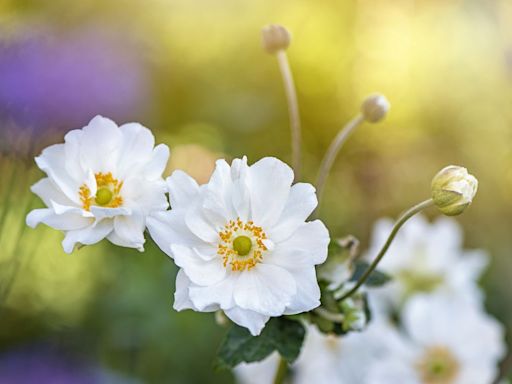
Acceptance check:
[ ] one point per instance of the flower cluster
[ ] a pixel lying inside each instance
(246, 249)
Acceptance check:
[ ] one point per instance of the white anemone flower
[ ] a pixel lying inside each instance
(449, 341)
(328, 359)
(242, 242)
(425, 258)
(102, 182)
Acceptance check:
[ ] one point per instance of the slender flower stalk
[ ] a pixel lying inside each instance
(293, 109)
(275, 40)
(399, 223)
(281, 372)
(332, 153)
(334, 317)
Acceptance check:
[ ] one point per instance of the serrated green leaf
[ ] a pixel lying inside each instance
(280, 334)
(376, 279)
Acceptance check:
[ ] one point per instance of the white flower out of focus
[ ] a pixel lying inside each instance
(328, 359)
(447, 341)
(102, 183)
(242, 242)
(425, 258)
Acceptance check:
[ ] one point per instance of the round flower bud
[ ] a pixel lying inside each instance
(274, 38)
(374, 108)
(453, 189)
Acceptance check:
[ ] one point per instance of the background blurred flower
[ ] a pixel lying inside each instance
(425, 258)
(51, 81)
(447, 341)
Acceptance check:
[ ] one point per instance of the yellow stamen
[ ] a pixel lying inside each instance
(107, 194)
(241, 245)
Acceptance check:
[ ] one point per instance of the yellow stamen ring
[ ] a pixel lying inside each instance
(107, 194)
(241, 245)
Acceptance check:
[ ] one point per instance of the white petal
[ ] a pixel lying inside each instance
(115, 239)
(149, 196)
(52, 161)
(48, 191)
(87, 236)
(106, 212)
(183, 189)
(308, 292)
(101, 143)
(266, 289)
(65, 222)
(220, 294)
(199, 271)
(158, 162)
(269, 183)
(131, 229)
(181, 296)
(307, 246)
(218, 196)
(301, 202)
(253, 321)
(72, 148)
(137, 147)
(168, 227)
(200, 226)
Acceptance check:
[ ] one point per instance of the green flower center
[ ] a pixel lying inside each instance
(242, 245)
(103, 196)
(438, 366)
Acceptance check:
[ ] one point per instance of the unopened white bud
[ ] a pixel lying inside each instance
(274, 38)
(453, 189)
(375, 108)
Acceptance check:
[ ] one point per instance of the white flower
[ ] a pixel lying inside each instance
(449, 342)
(242, 242)
(102, 182)
(453, 189)
(425, 258)
(328, 359)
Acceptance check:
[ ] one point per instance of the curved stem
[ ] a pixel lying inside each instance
(281, 372)
(398, 224)
(293, 109)
(332, 152)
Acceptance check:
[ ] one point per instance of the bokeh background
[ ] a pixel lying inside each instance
(194, 72)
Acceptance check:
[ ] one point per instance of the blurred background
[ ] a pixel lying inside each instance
(195, 73)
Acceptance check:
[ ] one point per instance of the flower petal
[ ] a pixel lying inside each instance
(200, 226)
(131, 228)
(101, 143)
(47, 191)
(87, 236)
(64, 222)
(308, 292)
(220, 294)
(301, 202)
(307, 246)
(183, 189)
(266, 289)
(269, 184)
(156, 166)
(251, 320)
(181, 296)
(199, 271)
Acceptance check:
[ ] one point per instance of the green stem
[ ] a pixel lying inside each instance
(293, 109)
(332, 153)
(281, 372)
(398, 224)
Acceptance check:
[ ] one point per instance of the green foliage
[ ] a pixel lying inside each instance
(280, 334)
(376, 279)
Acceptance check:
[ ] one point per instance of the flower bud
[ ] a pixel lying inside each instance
(274, 38)
(453, 189)
(374, 108)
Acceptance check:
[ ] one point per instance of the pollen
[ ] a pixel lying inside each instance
(107, 193)
(241, 245)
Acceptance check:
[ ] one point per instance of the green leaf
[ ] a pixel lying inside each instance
(376, 279)
(280, 334)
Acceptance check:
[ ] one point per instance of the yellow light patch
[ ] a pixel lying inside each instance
(104, 181)
(236, 229)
